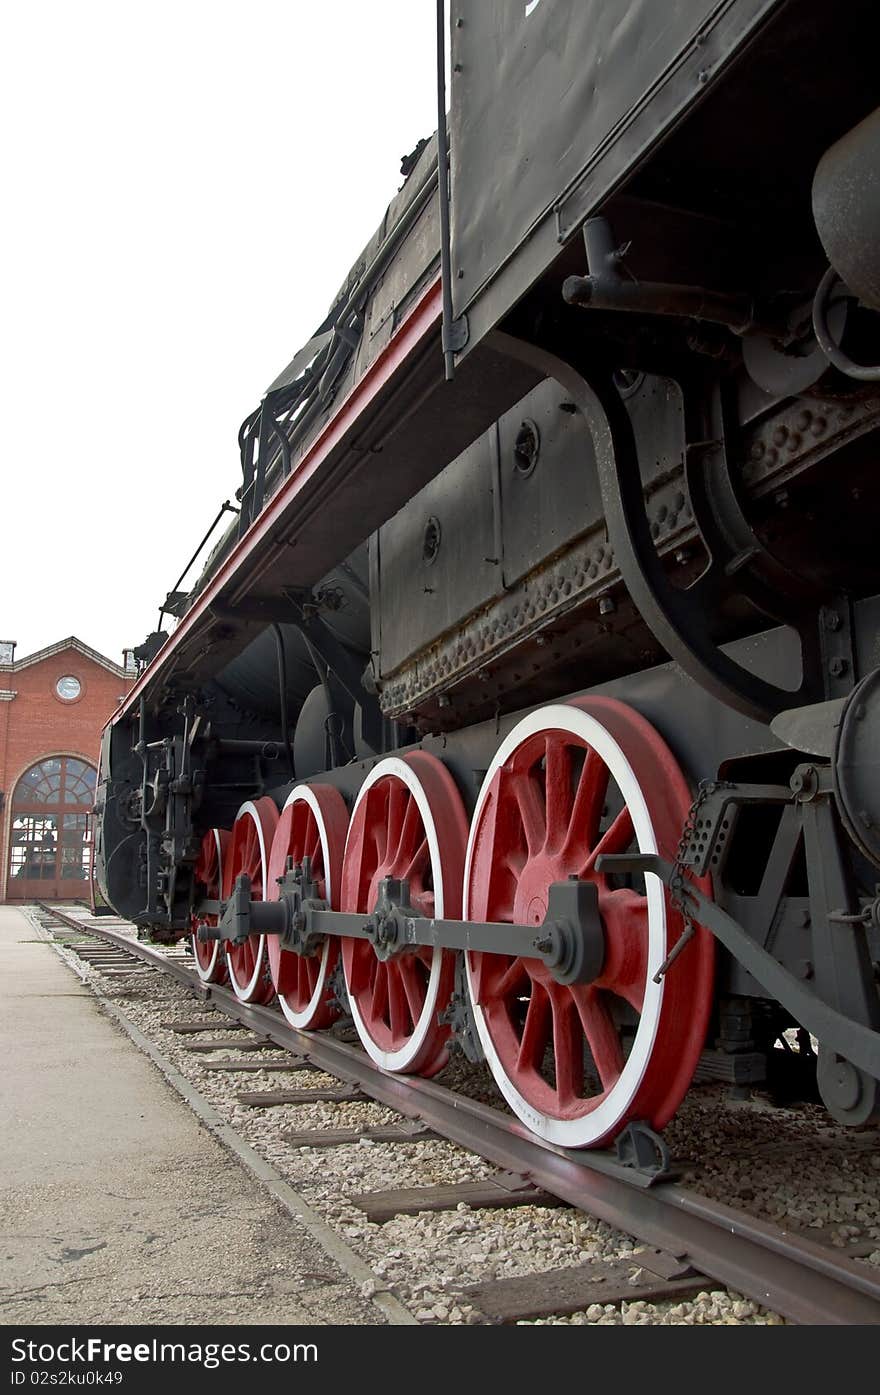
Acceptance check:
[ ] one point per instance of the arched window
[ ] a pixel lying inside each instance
(50, 854)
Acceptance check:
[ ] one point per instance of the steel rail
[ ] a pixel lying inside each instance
(784, 1271)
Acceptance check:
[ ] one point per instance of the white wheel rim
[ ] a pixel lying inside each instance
(207, 974)
(303, 794)
(249, 809)
(402, 1059)
(599, 1122)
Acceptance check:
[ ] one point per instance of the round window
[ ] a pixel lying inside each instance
(68, 687)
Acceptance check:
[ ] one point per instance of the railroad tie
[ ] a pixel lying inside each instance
(134, 972)
(292, 1065)
(232, 1044)
(649, 1275)
(335, 1138)
(267, 1099)
(502, 1190)
(204, 1024)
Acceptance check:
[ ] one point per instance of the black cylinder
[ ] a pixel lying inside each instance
(846, 207)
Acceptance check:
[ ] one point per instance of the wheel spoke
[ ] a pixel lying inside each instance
(568, 1047)
(616, 839)
(411, 838)
(601, 1034)
(379, 999)
(398, 1007)
(536, 1030)
(360, 966)
(399, 799)
(514, 977)
(515, 860)
(417, 863)
(377, 825)
(413, 984)
(589, 801)
(557, 783)
(530, 804)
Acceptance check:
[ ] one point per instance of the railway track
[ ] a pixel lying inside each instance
(693, 1242)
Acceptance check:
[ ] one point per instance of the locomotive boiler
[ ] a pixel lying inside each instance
(531, 704)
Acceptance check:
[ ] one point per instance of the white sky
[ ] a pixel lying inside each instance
(185, 186)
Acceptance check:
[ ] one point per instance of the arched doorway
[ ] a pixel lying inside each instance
(50, 845)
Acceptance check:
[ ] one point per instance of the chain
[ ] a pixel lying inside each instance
(678, 879)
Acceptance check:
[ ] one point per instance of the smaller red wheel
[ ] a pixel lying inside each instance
(252, 834)
(210, 963)
(408, 822)
(313, 824)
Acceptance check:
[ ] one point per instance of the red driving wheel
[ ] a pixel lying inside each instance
(576, 1064)
(313, 824)
(252, 834)
(210, 962)
(408, 822)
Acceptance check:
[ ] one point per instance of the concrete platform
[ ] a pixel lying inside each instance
(116, 1206)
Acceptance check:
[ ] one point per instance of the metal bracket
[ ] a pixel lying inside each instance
(719, 806)
(460, 1017)
(640, 1148)
(456, 335)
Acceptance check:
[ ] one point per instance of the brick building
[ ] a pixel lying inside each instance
(53, 705)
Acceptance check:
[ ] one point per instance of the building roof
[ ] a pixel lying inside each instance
(70, 643)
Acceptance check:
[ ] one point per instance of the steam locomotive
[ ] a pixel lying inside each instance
(531, 704)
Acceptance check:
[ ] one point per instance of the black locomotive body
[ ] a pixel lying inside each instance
(533, 702)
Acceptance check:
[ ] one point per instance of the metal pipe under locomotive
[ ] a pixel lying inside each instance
(533, 702)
